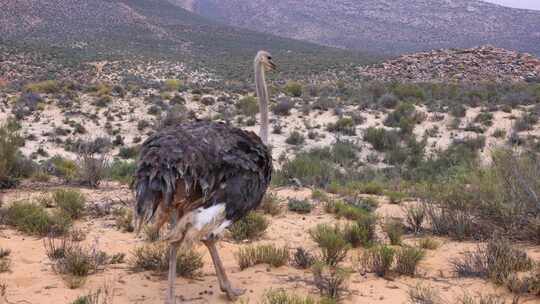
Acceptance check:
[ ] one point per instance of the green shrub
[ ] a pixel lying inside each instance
(293, 88)
(34, 219)
(173, 85)
(155, 257)
(11, 169)
(250, 227)
(332, 244)
(308, 168)
(428, 243)
(357, 235)
(302, 258)
(124, 219)
(378, 259)
(295, 138)
(270, 204)
(280, 296)
(248, 106)
(407, 259)
(345, 126)
(381, 139)
(300, 206)
(47, 86)
(262, 254)
(122, 171)
(66, 169)
(394, 230)
(72, 202)
(330, 280)
(415, 216)
(497, 261)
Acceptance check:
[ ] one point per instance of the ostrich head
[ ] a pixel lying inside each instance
(263, 61)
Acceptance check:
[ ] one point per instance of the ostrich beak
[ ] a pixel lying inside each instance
(271, 65)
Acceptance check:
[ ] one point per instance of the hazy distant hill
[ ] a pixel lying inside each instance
(97, 28)
(385, 26)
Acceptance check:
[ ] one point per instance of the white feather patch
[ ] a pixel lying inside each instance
(206, 216)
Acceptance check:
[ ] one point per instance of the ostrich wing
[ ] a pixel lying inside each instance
(214, 162)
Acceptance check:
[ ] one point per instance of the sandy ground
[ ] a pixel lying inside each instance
(32, 280)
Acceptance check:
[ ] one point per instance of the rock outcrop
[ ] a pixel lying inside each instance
(485, 63)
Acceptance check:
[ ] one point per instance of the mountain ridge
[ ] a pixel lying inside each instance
(383, 26)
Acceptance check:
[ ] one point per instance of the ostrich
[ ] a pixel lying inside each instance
(201, 177)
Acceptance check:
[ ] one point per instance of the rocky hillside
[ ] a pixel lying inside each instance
(156, 28)
(485, 63)
(384, 26)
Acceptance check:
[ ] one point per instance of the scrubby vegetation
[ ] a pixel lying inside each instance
(155, 257)
(250, 227)
(262, 254)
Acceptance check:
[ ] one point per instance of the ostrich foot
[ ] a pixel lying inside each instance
(234, 293)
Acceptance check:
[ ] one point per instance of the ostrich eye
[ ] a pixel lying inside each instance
(269, 57)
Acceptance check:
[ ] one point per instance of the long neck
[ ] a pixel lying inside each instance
(262, 93)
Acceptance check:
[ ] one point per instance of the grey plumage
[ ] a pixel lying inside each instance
(213, 161)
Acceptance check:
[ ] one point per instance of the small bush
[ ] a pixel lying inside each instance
(299, 206)
(381, 139)
(34, 219)
(424, 295)
(250, 227)
(407, 259)
(378, 259)
(428, 243)
(330, 280)
(72, 202)
(122, 171)
(10, 155)
(64, 168)
(262, 254)
(303, 259)
(415, 216)
(248, 106)
(394, 230)
(358, 235)
(270, 204)
(47, 86)
(497, 260)
(5, 262)
(332, 244)
(344, 126)
(293, 89)
(155, 257)
(124, 219)
(388, 101)
(295, 138)
(56, 248)
(282, 297)
(283, 108)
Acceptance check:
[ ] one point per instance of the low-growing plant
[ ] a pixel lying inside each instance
(407, 259)
(357, 235)
(415, 216)
(262, 254)
(124, 219)
(331, 281)
(56, 247)
(332, 244)
(5, 262)
(428, 243)
(34, 219)
(422, 294)
(295, 138)
(394, 230)
(155, 257)
(299, 206)
(379, 259)
(270, 204)
(302, 258)
(250, 227)
(280, 296)
(70, 201)
(497, 261)
(122, 171)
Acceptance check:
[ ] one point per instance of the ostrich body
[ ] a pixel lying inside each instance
(203, 176)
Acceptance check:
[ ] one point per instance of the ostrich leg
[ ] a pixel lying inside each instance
(224, 283)
(173, 250)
